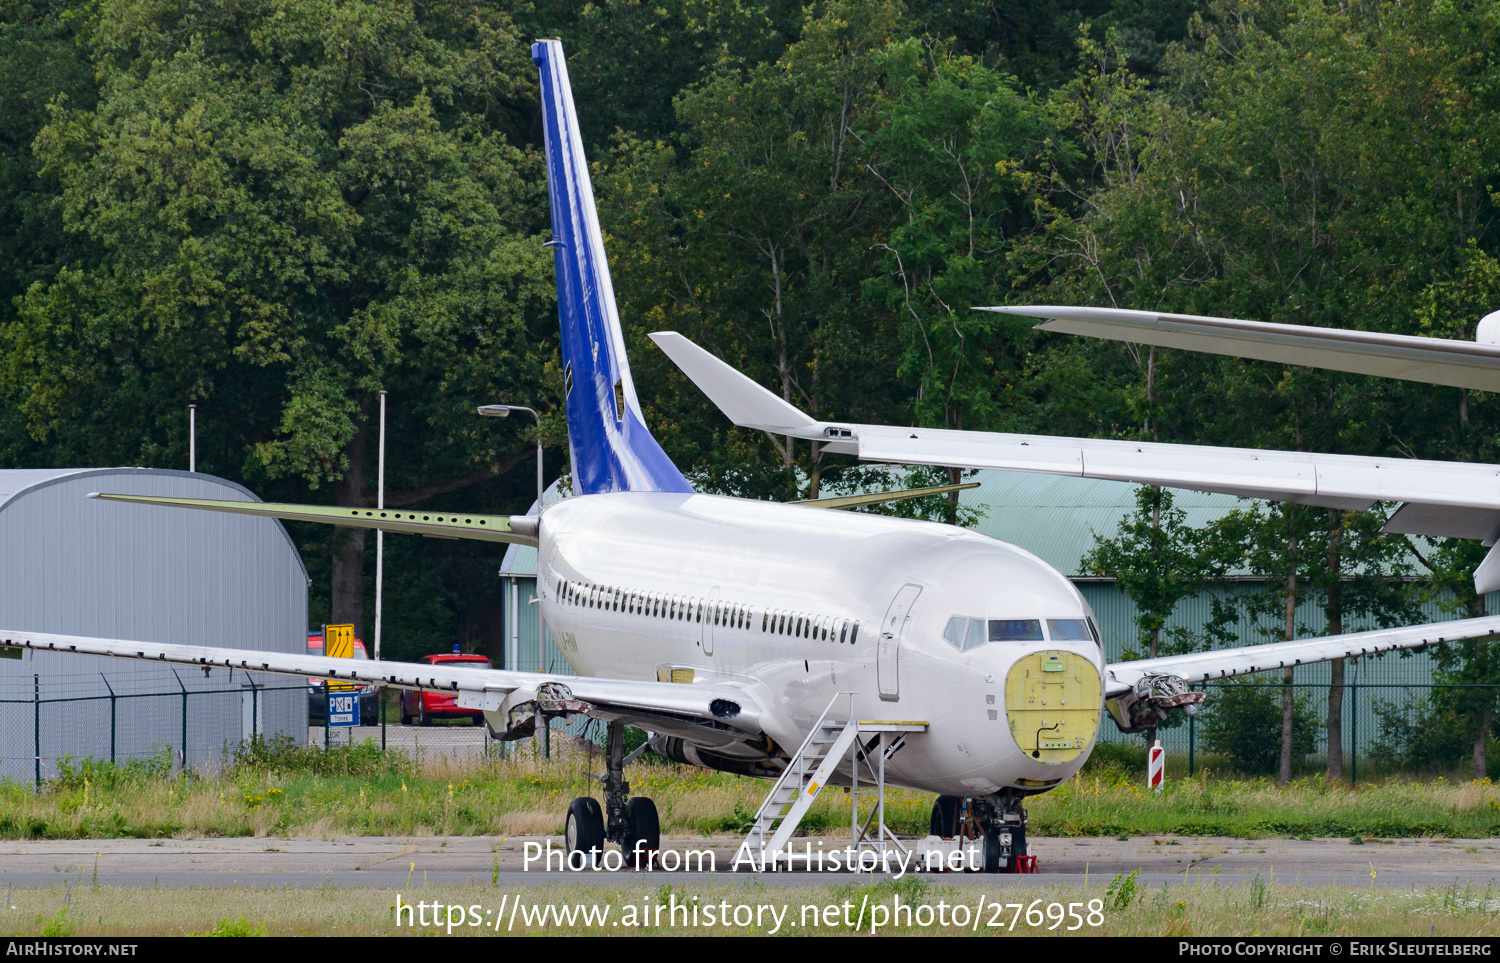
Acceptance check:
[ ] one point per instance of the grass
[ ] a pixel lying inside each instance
(1205, 908)
(281, 789)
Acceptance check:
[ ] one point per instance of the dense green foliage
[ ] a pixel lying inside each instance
(1243, 724)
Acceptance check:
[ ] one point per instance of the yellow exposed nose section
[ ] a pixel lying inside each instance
(1052, 700)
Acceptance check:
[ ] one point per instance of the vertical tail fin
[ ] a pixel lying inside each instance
(610, 446)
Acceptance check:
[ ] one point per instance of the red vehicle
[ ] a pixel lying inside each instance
(423, 707)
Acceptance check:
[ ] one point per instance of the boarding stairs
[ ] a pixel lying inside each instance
(807, 774)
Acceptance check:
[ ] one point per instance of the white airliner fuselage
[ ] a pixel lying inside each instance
(799, 604)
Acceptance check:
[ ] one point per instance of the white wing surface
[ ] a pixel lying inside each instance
(714, 714)
(1436, 361)
(1223, 663)
(1458, 493)
(1440, 499)
(1141, 694)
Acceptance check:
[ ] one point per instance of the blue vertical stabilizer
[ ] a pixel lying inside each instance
(611, 449)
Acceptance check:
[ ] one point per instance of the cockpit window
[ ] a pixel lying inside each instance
(1068, 630)
(1016, 630)
(965, 633)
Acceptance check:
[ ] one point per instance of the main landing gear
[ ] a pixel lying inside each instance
(628, 820)
(998, 821)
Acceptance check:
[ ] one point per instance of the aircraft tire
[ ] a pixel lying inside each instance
(993, 863)
(945, 816)
(584, 832)
(645, 829)
(422, 718)
(1017, 849)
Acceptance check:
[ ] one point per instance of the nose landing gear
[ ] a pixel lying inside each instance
(630, 821)
(999, 822)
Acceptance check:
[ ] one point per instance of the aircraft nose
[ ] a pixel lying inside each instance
(1052, 699)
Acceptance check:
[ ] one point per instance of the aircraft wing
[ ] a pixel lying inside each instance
(1139, 694)
(485, 528)
(1223, 663)
(1436, 361)
(712, 715)
(1440, 499)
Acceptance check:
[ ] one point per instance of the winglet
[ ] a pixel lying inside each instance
(746, 403)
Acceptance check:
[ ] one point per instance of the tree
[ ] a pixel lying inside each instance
(957, 149)
(753, 236)
(1158, 560)
(289, 205)
(1243, 722)
(1474, 665)
(1363, 577)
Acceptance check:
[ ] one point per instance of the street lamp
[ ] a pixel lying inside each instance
(503, 411)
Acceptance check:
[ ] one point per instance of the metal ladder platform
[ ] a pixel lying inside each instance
(807, 773)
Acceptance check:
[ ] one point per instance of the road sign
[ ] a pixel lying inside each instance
(338, 643)
(343, 709)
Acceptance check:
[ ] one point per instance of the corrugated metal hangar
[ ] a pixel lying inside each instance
(80, 566)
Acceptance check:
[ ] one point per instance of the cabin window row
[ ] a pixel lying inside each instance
(727, 614)
(825, 628)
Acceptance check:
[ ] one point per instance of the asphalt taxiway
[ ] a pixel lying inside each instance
(404, 862)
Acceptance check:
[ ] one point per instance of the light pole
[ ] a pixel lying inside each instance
(380, 563)
(503, 411)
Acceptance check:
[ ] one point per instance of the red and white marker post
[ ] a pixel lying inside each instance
(1156, 766)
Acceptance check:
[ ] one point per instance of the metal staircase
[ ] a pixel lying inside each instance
(825, 747)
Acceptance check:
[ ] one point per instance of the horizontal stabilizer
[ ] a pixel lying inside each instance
(484, 528)
(1435, 361)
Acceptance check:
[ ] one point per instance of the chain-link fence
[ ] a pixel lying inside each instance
(1385, 727)
(462, 739)
(48, 720)
(45, 720)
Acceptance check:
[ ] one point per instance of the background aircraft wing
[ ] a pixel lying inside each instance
(1441, 499)
(1436, 361)
(712, 715)
(485, 528)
